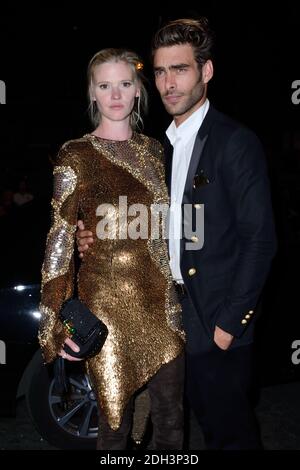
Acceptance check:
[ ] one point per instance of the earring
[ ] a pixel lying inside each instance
(138, 108)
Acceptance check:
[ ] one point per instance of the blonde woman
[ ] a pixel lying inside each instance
(125, 281)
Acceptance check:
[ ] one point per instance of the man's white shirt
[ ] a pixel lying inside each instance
(182, 138)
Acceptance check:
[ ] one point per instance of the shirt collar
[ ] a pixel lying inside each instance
(189, 127)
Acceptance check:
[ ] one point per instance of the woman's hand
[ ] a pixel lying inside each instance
(74, 348)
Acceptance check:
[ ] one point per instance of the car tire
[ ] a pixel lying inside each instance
(71, 424)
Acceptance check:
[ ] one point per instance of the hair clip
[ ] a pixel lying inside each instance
(139, 66)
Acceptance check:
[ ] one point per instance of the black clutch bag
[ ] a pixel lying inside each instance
(84, 328)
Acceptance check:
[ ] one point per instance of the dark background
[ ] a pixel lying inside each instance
(45, 51)
(44, 54)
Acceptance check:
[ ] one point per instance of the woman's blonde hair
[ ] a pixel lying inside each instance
(136, 65)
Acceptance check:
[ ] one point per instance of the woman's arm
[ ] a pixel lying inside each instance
(58, 266)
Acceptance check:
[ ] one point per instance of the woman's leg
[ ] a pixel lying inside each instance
(166, 395)
(108, 439)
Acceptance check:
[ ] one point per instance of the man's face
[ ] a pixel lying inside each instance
(182, 86)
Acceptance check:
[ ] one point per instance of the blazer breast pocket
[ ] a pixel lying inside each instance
(200, 180)
(203, 178)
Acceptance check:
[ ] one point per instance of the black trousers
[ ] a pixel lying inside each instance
(166, 396)
(220, 387)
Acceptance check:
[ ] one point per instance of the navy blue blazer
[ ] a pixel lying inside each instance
(228, 180)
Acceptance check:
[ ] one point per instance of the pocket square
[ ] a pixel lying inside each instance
(200, 180)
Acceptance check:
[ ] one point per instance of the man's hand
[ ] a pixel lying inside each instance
(74, 347)
(84, 238)
(222, 338)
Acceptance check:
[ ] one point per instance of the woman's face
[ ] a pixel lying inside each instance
(114, 90)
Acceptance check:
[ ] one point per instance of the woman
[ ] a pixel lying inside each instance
(124, 281)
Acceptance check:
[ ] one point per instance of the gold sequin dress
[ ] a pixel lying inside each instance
(126, 282)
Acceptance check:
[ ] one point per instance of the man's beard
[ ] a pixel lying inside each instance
(189, 104)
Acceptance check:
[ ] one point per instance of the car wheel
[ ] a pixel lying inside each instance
(66, 423)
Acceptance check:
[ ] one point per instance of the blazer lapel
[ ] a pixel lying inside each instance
(195, 159)
(200, 142)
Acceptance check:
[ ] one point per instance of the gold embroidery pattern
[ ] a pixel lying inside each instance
(143, 165)
(158, 252)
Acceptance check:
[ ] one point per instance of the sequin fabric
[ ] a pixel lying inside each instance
(125, 281)
(61, 236)
(57, 269)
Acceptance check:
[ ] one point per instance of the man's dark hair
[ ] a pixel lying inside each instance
(197, 33)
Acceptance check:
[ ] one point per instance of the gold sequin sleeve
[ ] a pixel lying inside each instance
(58, 266)
(157, 151)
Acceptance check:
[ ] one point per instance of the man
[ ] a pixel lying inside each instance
(217, 166)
